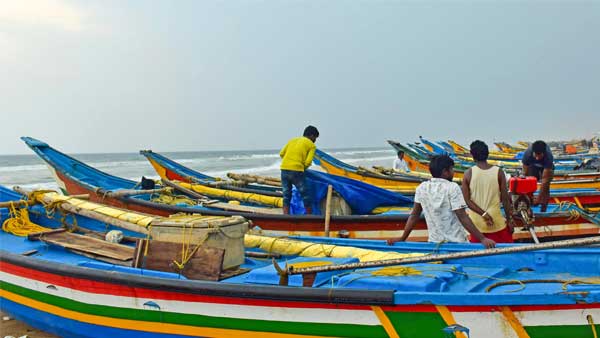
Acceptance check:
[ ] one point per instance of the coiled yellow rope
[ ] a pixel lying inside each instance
(19, 223)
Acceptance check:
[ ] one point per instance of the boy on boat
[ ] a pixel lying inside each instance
(297, 156)
(539, 162)
(443, 204)
(400, 165)
(483, 187)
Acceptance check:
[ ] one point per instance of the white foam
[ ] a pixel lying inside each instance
(31, 167)
(36, 186)
(369, 159)
(116, 164)
(357, 152)
(254, 170)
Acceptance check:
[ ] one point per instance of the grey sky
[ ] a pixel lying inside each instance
(106, 76)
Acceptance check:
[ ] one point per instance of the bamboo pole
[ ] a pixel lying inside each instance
(131, 192)
(185, 191)
(273, 181)
(440, 257)
(25, 203)
(68, 207)
(17, 203)
(328, 209)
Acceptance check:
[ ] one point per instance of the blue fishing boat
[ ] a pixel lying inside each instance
(354, 290)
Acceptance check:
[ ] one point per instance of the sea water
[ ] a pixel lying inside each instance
(30, 171)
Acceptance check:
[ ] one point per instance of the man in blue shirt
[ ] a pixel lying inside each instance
(539, 162)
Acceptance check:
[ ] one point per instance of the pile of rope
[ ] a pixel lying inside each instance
(19, 223)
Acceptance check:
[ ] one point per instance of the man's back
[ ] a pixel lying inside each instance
(484, 189)
(439, 199)
(297, 154)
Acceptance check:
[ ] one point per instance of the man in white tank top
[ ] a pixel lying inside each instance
(484, 188)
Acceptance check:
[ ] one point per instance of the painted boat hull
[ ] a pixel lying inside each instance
(81, 302)
(73, 296)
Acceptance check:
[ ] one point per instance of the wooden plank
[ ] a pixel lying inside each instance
(206, 263)
(103, 259)
(89, 245)
(35, 235)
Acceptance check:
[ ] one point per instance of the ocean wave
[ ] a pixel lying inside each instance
(358, 152)
(36, 186)
(253, 170)
(370, 159)
(117, 164)
(31, 167)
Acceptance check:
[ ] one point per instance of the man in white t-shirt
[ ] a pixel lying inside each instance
(400, 165)
(442, 202)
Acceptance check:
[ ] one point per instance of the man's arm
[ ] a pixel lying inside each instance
(472, 229)
(283, 150)
(415, 215)
(309, 157)
(510, 222)
(526, 169)
(466, 191)
(544, 194)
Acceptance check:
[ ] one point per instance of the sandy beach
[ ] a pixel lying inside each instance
(18, 329)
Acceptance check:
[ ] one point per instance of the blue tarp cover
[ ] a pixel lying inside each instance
(361, 197)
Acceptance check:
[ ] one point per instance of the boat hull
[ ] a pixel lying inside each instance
(79, 302)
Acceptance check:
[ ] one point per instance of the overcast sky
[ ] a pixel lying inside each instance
(118, 76)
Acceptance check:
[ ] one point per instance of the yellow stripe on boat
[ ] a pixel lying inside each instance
(234, 195)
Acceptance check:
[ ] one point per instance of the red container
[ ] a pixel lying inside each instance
(522, 185)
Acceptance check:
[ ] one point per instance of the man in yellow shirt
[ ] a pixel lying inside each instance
(297, 156)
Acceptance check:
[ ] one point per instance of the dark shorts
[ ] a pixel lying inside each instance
(297, 179)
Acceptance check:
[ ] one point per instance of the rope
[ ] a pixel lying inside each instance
(186, 241)
(166, 198)
(19, 223)
(564, 283)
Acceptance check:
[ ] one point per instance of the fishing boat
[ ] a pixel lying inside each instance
(168, 169)
(562, 162)
(343, 288)
(407, 183)
(401, 183)
(75, 177)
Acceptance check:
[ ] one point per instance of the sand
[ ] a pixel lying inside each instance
(18, 329)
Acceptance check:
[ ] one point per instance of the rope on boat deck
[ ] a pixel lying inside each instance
(18, 222)
(186, 242)
(565, 283)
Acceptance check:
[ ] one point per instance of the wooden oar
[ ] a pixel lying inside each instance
(328, 209)
(290, 270)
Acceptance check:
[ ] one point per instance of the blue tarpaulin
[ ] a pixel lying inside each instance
(361, 197)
